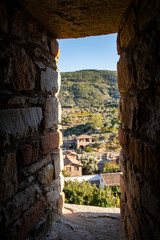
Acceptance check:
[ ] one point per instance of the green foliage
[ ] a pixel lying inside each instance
(99, 144)
(110, 167)
(89, 149)
(88, 88)
(89, 164)
(77, 130)
(96, 121)
(85, 194)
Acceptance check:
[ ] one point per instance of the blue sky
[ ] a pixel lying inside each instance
(98, 52)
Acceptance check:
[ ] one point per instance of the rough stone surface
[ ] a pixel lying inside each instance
(87, 222)
(22, 76)
(50, 81)
(46, 175)
(9, 178)
(29, 152)
(37, 166)
(61, 203)
(80, 18)
(50, 141)
(23, 226)
(51, 112)
(28, 191)
(54, 46)
(20, 122)
(138, 82)
(58, 162)
(21, 202)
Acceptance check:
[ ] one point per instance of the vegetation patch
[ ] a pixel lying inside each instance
(85, 194)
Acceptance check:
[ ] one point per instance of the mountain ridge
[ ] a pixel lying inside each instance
(88, 88)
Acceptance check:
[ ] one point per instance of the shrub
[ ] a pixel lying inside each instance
(88, 149)
(110, 167)
(85, 194)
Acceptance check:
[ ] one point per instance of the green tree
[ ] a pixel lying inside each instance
(89, 164)
(89, 149)
(96, 121)
(99, 144)
(110, 167)
(85, 194)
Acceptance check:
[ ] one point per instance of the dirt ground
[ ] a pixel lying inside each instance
(87, 223)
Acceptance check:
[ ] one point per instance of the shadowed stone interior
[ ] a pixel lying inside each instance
(77, 18)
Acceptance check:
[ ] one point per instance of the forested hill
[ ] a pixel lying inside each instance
(88, 88)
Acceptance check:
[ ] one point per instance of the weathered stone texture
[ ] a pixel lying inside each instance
(20, 122)
(54, 46)
(61, 203)
(21, 202)
(50, 141)
(58, 162)
(22, 75)
(138, 82)
(27, 112)
(46, 175)
(51, 112)
(24, 225)
(9, 178)
(78, 18)
(37, 166)
(29, 152)
(50, 81)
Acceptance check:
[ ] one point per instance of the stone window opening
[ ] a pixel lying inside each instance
(30, 183)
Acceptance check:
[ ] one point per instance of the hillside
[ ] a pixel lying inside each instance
(88, 88)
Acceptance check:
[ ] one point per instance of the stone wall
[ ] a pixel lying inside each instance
(139, 111)
(29, 134)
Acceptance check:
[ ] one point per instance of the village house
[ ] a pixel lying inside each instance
(105, 179)
(79, 142)
(84, 140)
(110, 179)
(72, 165)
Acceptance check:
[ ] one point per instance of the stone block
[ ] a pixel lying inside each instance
(36, 166)
(51, 199)
(25, 224)
(21, 202)
(54, 46)
(52, 112)
(9, 178)
(123, 139)
(50, 141)
(125, 71)
(40, 65)
(144, 57)
(128, 31)
(17, 100)
(29, 152)
(50, 81)
(46, 175)
(20, 122)
(58, 162)
(149, 200)
(22, 70)
(34, 100)
(128, 110)
(61, 203)
(26, 154)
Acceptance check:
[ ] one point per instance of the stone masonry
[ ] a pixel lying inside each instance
(139, 111)
(29, 133)
(30, 158)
